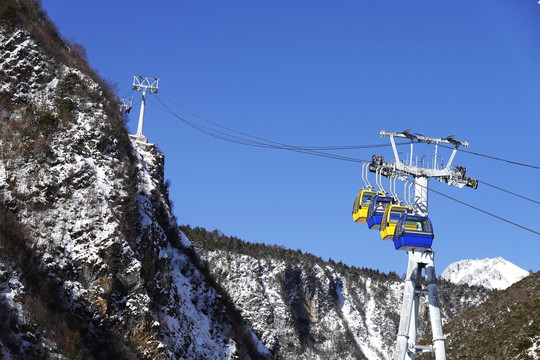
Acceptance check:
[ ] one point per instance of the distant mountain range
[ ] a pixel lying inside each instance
(495, 273)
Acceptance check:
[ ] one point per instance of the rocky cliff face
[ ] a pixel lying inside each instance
(302, 307)
(92, 263)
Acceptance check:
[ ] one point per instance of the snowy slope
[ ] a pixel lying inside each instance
(302, 307)
(496, 273)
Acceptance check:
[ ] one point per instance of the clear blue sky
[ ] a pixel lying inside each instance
(331, 73)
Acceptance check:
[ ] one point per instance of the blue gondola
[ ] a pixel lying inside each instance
(376, 210)
(413, 232)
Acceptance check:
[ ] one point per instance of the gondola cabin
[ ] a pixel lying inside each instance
(390, 218)
(376, 210)
(413, 232)
(361, 204)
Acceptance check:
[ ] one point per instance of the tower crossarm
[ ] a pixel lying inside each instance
(454, 176)
(145, 84)
(403, 167)
(424, 139)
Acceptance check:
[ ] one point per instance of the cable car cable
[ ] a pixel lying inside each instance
(276, 145)
(213, 132)
(249, 142)
(483, 211)
(344, 147)
(243, 141)
(509, 192)
(334, 147)
(487, 212)
(493, 157)
(216, 133)
(305, 150)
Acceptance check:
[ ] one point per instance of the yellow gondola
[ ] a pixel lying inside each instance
(361, 204)
(390, 218)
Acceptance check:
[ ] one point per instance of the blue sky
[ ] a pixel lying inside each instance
(331, 73)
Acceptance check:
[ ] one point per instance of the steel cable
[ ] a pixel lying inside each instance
(493, 157)
(264, 143)
(509, 192)
(244, 141)
(335, 147)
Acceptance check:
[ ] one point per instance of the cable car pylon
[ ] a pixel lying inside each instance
(414, 234)
(144, 85)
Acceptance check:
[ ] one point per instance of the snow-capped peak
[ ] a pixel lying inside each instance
(495, 273)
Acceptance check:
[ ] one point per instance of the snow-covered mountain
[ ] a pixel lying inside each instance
(495, 273)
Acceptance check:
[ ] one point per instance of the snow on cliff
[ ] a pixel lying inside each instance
(98, 225)
(496, 273)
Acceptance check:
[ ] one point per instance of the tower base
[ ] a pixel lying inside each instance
(141, 141)
(406, 347)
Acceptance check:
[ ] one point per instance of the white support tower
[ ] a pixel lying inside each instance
(144, 85)
(406, 347)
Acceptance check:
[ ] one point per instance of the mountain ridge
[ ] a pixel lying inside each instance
(303, 307)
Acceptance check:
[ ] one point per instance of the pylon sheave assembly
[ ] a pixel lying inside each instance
(411, 230)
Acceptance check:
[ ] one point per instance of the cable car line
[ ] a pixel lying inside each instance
(509, 192)
(312, 150)
(483, 211)
(331, 147)
(244, 141)
(342, 147)
(216, 133)
(276, 145)
(494, 157)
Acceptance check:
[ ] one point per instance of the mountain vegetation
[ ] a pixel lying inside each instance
(507, 326)
(303, 307)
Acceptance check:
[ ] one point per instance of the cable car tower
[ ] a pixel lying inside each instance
(144, 85)
(125, 105)
(420, 258)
